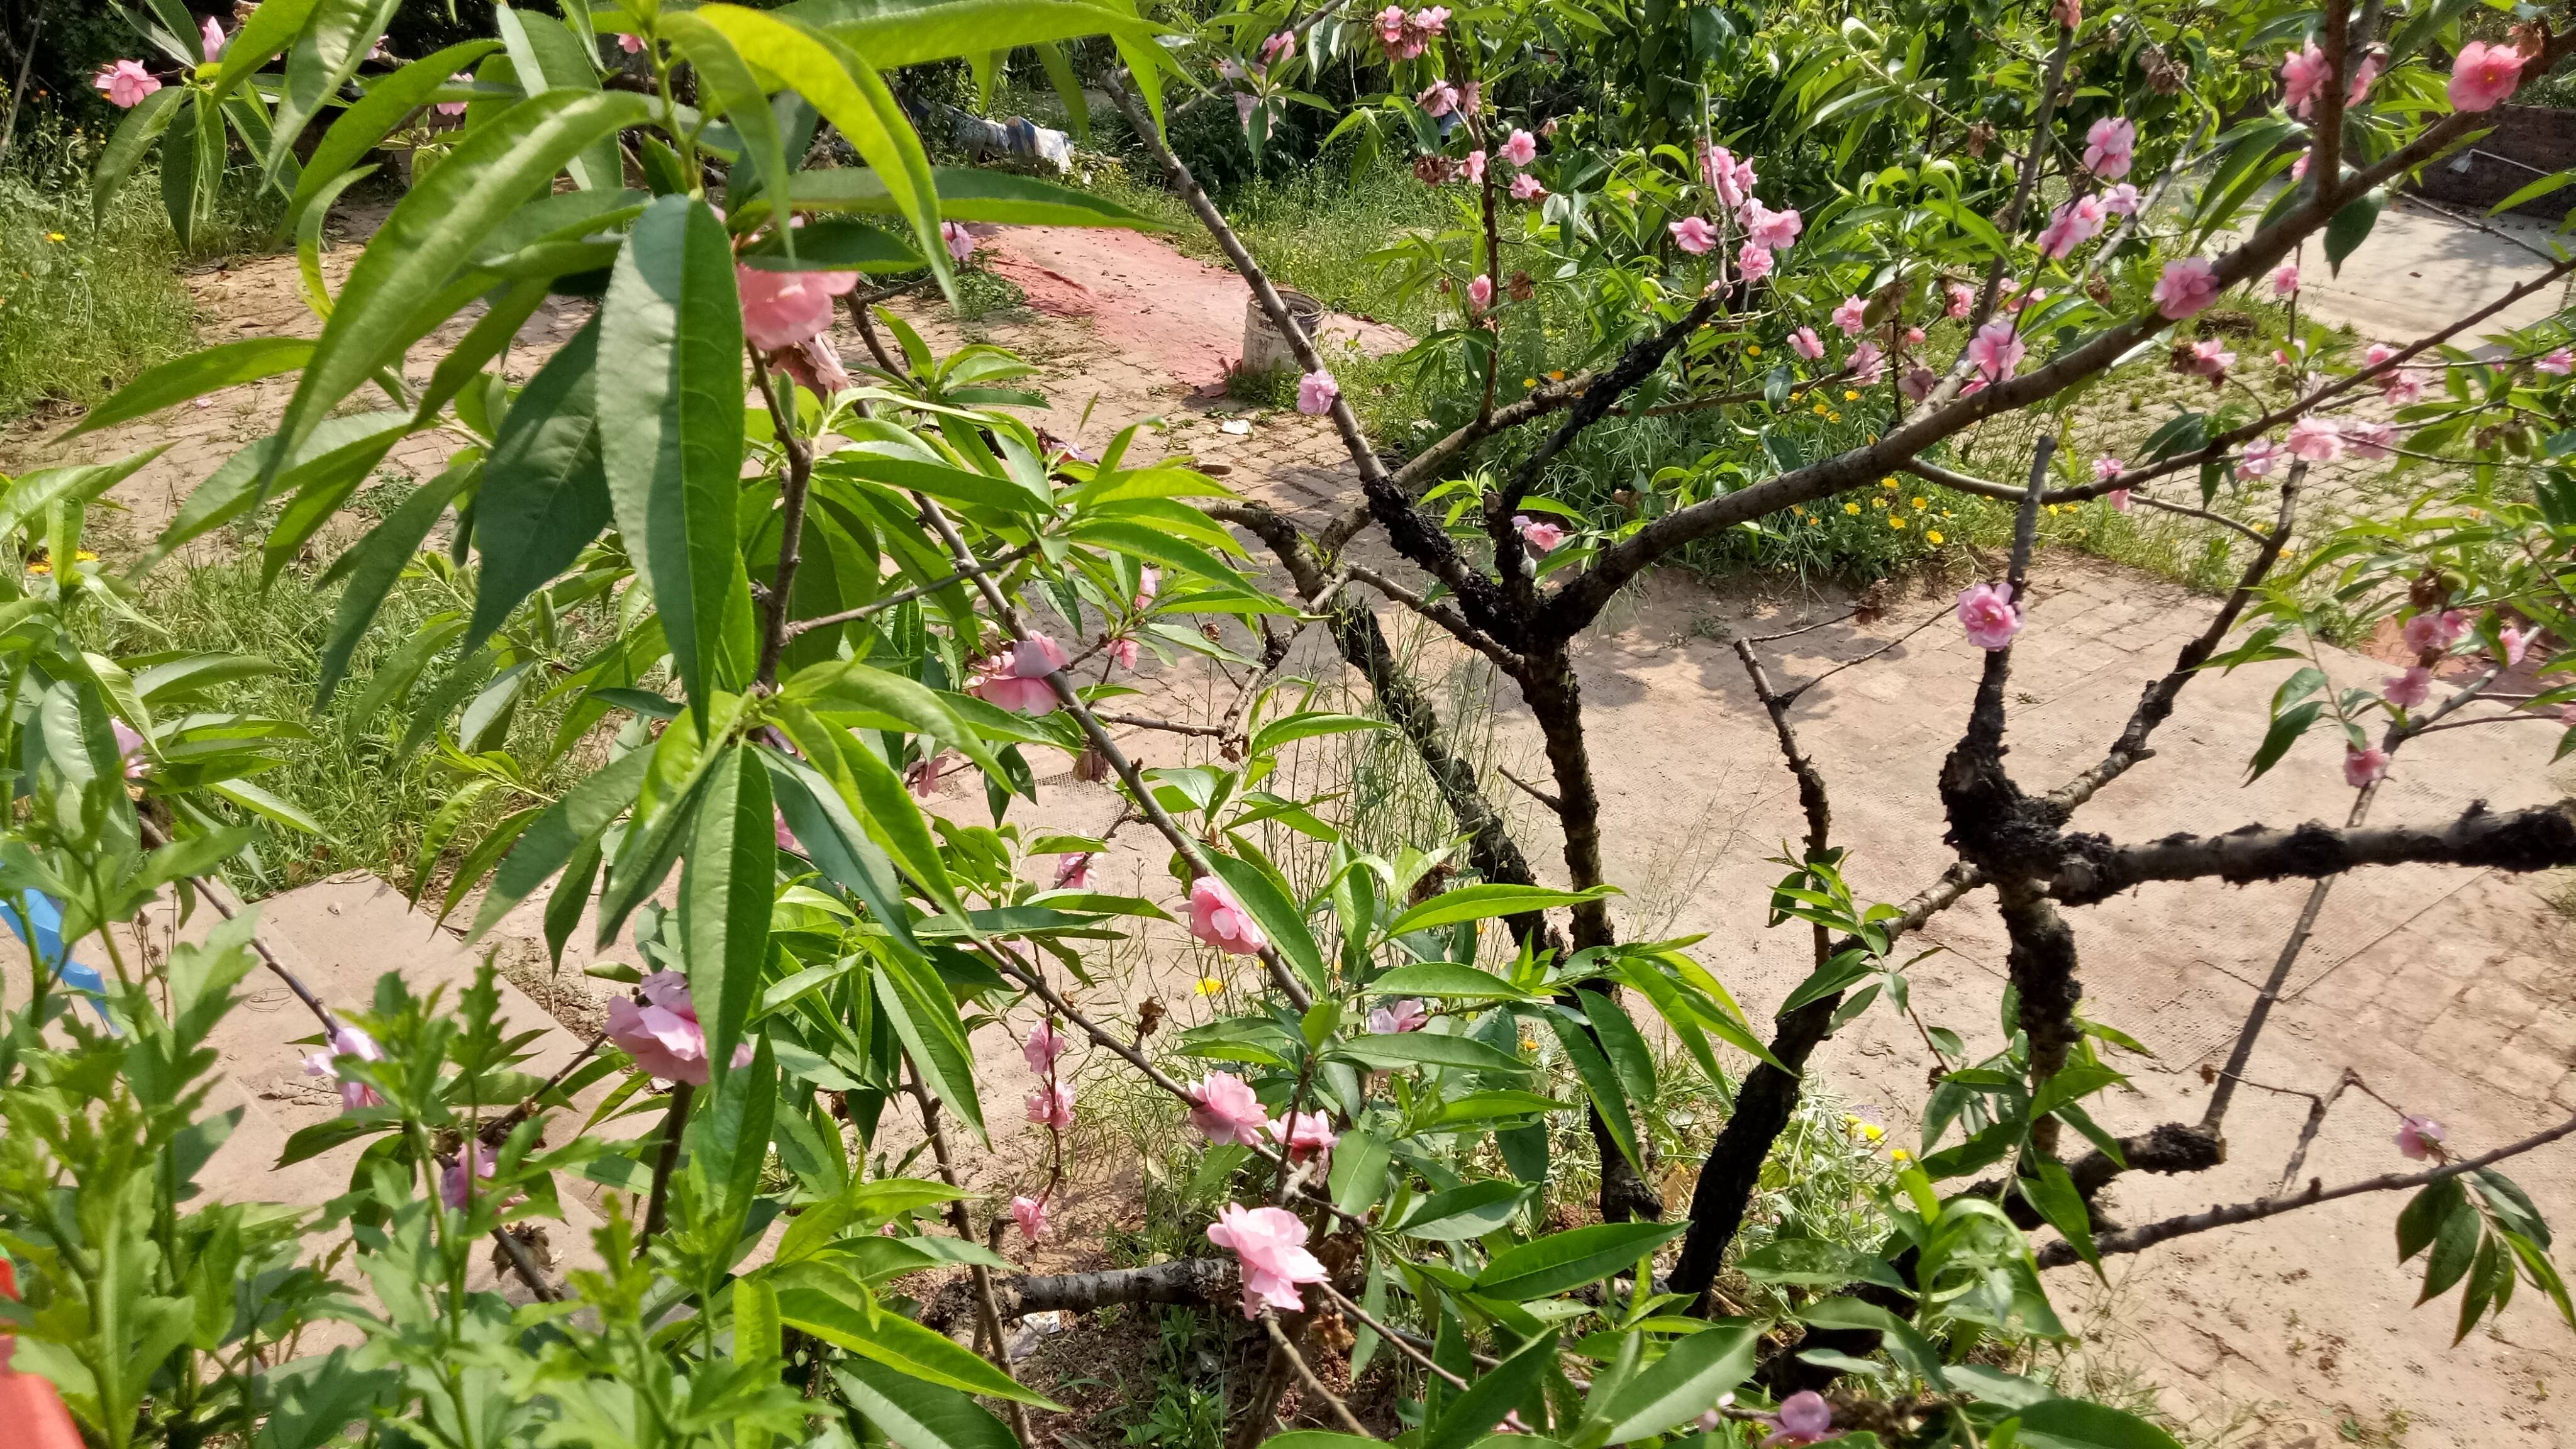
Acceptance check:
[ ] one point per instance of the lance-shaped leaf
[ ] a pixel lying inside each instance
(134, 135)
(378, 560)
(413, 260)
(548, 57)
(917, 1003)
(899, 35)
(965, 194)
(324, 58)
(571, 823)
(670, 415)
(374, 116)
(726, 79)
(545, 494)
(262, 38)
(727, 885)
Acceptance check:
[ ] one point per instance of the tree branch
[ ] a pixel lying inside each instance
(2540, 838)
(1306, 1376)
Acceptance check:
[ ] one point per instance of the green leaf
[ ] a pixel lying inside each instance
(907, 703)
(727, 886)
(1601, 1083)
(727, 79)
(902, 1345)
(1397, 1051)
(326, 54)
(1279, 917)
(259, 802)
(1308, 725)
(1477, 902)
(2285, 732)
(378, 560)
(833, 244)
(2425, 1213)
(1817, 1263)
(574, 820)
(1472, 1415)
(373, 117)
(2051, 1189)
(547, 56)
(415, 255)
(1465, 1213)
(192, 164)
(670, 415)
(1358, 1175)
(134, 135)
(1446, 979)
(1684, 1382)
(2455, 1246)
(1157, 545)
(918, 1005)
(31, 494)
(1551, 1265)
(899, 35)
(223, 365)
(836, 81)
(2351, 226)
(965, 194)
(545, 490)
(1621, 1042)
(918, 1414)
(2081, 1424)
(267, 34)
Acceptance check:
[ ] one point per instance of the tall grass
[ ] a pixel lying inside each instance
(84, 306)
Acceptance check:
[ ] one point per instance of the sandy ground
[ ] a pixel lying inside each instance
(2448, 991)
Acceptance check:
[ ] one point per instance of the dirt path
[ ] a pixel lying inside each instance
(2449, 991)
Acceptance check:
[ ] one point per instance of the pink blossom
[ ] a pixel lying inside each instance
(2303, 74)
(2400, 386)
(631, 44)
(1474, 170)
(1316, 394)
(778, 828)
(2121, 200)
(348, 1041)
(1123, 651)
(2107, 468)
(1962, 298)
(1244, 104)
(125, 83)
(1852, 316)
(1538, 534)
(2515, 643)
(1996, 350)
(1271, 1244)
(1073, 871)
(1399, 1017)
(211, 36)
(1437, 99)
(2110, 147)
(922, 779)
(2484, 75)
(2210, 359)
(2557, 363)
(454, 108)
(961, 242)
(1031, 1215)
(1693, 234)
(1016, 679)
(1390, 25)
(1043, 1046)
(663, 1035)
(2364, 767)
(1525, 187)
(2069, 13)
(1432, 21)
(816, 364)
(1807, 344)
(1276, 46)
(1219, 920)
(2410, 689)
(1150, 581)
(782, 309)
(1754, 260)
(2377, 353)
(1972, 387)
(1471, 98)
(129, 748)
(1051, 1106)
(2316, 439)
(1304, 1134)
(2285, 281)
(2431, 631)
(2072, 225)
(2186, 287)
(1917, 384)
(1224, 1108)
(1548, 131)
(2419, 1137)
(1520, 148)
(1804, 1418)
(1480, 294)
(1777, 230)
(1987, 612)
(2371, 441)
(2118, 498)
(1867, 364)
(2362, 76)
(1731, 179)
(1913, 336)
(469, 1164)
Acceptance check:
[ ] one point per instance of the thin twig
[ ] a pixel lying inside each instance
(988, 1313)
(1306, 1375)
(904, 596)
(1534, 792)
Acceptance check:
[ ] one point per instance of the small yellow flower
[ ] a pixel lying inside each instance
(1874, 1132)
(1895, 520)
(53, 236)
(1529, 1043)
(1945, 513)
(1886, 482)
(1529, 382)
(1851, 508)
(1821, 410)
(1753, 349)
(41, 567)
(1850, 396)
(1833, 417)
(1931, 535)
(1207, 986)
(1557, 376)
(1878, 503)
(1919, 503)
(1901, 1155)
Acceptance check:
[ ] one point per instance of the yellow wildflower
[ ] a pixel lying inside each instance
(1529, 382)
(84, 555)
(1207, 986)
(1833, 417)
(1753, 349)
(1821, 410)
(1851, 508)
(1887, 482)
(1878, 503)
(1850, 396)
(40, 566)
(1918, 502)
(1874, 1132)
(1896, 520)
(1557, 376)
(1932, 535)
(53, 236)
(1529, 1043)
(1901, 1155)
